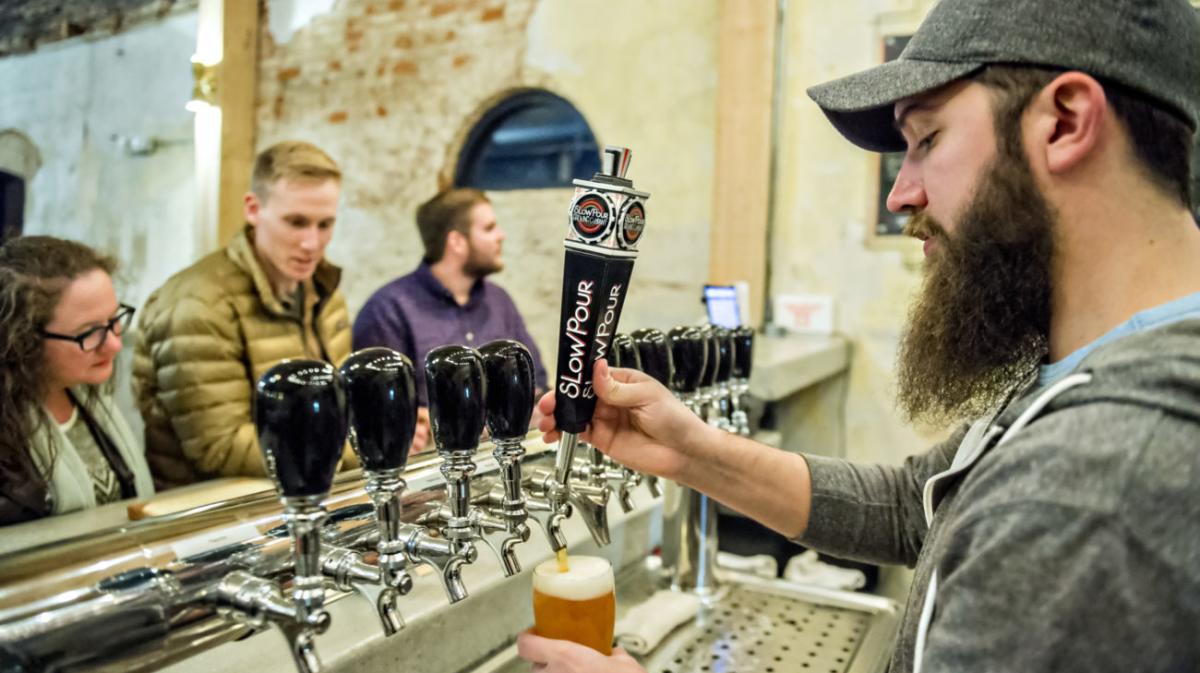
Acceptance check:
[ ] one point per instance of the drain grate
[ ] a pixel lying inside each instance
(750, 630)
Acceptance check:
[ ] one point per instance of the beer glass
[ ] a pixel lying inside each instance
(579, 605)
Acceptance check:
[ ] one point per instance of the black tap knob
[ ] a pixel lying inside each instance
(382, 400)
(712, 357)
(624, 352)
(725, 358)
(454, 383)
(689, 349)
(654, 352)
(300, 413)
(509, 381)
(743, 352)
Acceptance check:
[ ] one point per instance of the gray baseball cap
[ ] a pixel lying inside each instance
(1150, 46)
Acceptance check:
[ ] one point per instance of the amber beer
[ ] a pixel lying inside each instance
(579, 605)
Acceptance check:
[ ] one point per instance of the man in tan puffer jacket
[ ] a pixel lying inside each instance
(210, 332)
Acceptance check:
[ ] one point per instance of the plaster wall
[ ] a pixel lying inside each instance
(824, 209)
(390, 89)
(74, 101)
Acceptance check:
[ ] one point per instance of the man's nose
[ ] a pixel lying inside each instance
(908, 192)
(310, 239)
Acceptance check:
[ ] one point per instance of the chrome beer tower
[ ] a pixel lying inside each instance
(711, 372)
(690, 517)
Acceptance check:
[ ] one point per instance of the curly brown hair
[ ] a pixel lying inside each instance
(34, 272)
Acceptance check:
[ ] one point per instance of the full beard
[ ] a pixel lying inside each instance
(982, 319)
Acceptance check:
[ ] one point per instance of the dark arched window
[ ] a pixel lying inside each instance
(12, 205)
(529, 140)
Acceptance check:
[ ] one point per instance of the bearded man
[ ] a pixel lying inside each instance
(1047, 170)
(447, 299)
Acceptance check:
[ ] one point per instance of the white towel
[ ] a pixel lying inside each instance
(809, 569)
(763, 565)
(645, 625)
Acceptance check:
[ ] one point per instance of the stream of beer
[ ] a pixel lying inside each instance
(563, 566)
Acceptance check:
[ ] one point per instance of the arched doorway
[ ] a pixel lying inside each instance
(19, 162)
(12, 205)
(532, 139)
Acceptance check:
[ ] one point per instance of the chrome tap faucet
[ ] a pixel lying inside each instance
(300, 417)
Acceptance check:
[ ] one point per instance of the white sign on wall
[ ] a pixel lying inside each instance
(805, 313)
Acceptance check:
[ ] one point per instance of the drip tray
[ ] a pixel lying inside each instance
(772, 626)
(757, 625)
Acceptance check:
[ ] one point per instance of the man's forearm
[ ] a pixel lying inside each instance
(771, 486)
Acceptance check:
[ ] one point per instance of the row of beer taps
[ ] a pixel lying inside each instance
(305, 410)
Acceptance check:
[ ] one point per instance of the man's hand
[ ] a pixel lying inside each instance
(637, 421)
(563, 656)
(421, 436)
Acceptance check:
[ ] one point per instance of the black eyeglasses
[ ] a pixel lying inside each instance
(94, 338)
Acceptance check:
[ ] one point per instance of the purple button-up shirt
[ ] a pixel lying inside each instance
(416, 313)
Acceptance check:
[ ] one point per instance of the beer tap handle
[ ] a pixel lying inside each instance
(300, 418)
(725, 354)
(689, 351)
(712, 357)
(625, 353)
(654, 355)
(743, 349)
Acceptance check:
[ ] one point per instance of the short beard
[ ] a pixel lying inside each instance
(478, 267)
(981, 322)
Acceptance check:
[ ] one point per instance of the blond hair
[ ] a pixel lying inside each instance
(291, 159)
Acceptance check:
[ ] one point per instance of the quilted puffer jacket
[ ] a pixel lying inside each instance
(204, 339)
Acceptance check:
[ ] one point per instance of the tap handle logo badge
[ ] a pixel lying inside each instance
(591, 216)
(633, 222)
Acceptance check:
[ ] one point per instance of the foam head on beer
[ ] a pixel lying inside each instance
(577, 605)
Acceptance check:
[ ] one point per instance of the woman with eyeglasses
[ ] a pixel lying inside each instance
(64, 445)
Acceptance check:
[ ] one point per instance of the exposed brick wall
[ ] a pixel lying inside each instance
(28, 24)
(391, 88)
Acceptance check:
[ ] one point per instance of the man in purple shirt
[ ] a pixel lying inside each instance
(447, 299)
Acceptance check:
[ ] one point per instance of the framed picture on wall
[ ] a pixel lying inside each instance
(1196, 161)
(885, 230)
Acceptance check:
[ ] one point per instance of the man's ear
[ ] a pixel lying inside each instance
(251, 207)
(456, 242)
(1065, 122)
